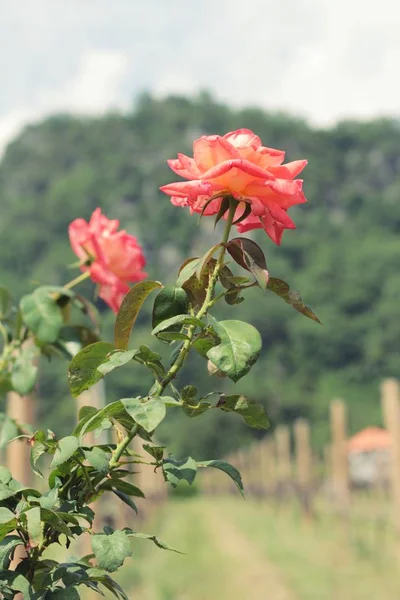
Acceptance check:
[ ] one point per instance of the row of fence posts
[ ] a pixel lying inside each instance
(283, 463)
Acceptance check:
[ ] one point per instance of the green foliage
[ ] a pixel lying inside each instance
(129, 311)
(238, 349)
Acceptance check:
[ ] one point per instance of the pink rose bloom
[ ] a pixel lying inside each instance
(116, 258)
(236, 164)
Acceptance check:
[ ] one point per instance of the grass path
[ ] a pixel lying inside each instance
(252, 576)
(220, 561)
(236, 550)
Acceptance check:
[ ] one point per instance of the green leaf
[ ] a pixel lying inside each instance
(35, 526)
(249, 255)
(253, 414)
(66, 448)
(7, 547)
(122, 486)
(223, 208)
(127, 499)
(169, 302)
(98, 459)
(52, 518)
(196, 409)
(187, 270)
(83, 371)
(6, 515)
(69, 593)
(178, 320)
(187, 279)
(204, 342)
(115, 410)
(116, 359)
(111, 550)
(153, 538)
(172, 336)
(24, 370)
(5, 303)
(147, 412)
(204, 261)
(177, 470)
(129, 311)
(18, 583)
(37, 450)
(41, 313)
(8, 430)
(238, 350)
(226, 468)
(156, 452)
(282, 289)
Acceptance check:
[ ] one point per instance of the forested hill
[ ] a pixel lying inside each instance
(344, 256)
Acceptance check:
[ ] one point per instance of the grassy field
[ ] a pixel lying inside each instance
(251, 550)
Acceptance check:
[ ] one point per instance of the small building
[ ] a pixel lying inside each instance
(369, 457)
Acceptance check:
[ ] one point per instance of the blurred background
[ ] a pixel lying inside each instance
(96, 96)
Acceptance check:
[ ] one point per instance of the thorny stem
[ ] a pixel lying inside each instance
(207, 304)
(177, 365)
(122, 446)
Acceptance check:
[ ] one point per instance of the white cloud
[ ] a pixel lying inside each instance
(316, 58)
(95, 88)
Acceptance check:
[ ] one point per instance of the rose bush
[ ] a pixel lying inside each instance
(237, 165)
(232, 177)
(112, 258)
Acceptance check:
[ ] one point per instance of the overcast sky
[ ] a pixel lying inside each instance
(321, 59)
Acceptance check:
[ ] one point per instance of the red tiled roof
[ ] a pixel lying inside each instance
(371, 438)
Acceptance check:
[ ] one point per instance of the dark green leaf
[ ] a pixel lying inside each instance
(178, 470)
(282, 289)
(156, 451)
(223, 208)
(7, 547)
(69, 593)
(111, 550)
(253, 414)
(238, 350)
(127, 499)
(129, 311)
(83, 370)
(226, 468)
(169, 302)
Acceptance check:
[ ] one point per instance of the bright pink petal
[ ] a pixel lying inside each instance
(238, 163)
(290, 170)
(184, 166)
(189, 189)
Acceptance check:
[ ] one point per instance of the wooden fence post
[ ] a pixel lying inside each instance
(303, 463)
(268, 465)
(340, 468)
(391, 414)
(284, 464)
(22, 409)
